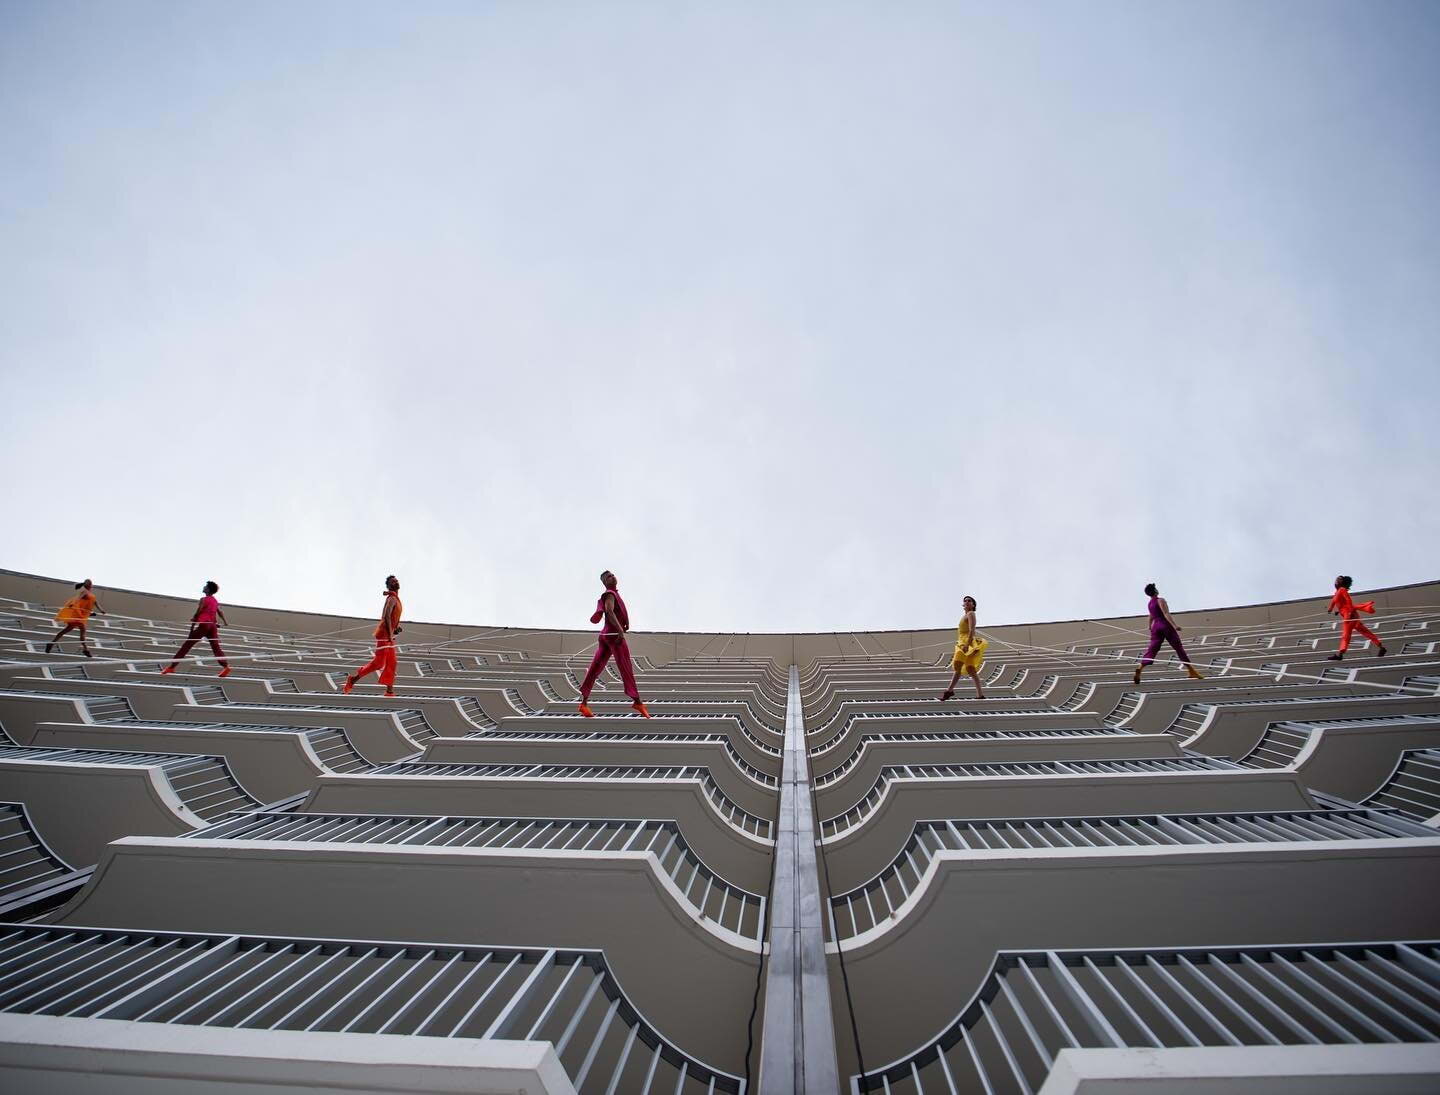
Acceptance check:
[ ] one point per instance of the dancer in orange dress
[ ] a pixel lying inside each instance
(385, 631)
(203, 626)
(1341, 605)
(611, 644)
(74, 614)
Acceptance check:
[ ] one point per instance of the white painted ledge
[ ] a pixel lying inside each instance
(1248, 1070)
(46, 1055)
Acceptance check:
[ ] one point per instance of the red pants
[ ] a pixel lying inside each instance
(1347, 627)
(384, 661)
(611, 645)
(203, 631)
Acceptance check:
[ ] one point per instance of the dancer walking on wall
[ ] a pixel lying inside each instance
(969, 652)
(611, 643)
(203, 626)
(1163, 629)
(1341, 605)
(384, 660)
(74, 614)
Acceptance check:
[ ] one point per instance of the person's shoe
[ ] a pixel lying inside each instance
(349, 685)
(1381, 652)
(585, 710)
(49, 647)
(1137, 674)
(979, 695)
(390, 693)
(224, 671)
(639, 705)
(167, 669)
(1335, 658)
(1195, 674)
(949, 693)
(86, 651)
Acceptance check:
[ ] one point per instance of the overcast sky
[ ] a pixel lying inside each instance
(801, 316)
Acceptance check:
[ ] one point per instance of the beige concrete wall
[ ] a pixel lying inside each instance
(800, 647)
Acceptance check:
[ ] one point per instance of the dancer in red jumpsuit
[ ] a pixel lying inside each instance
(611, 644)
(385, 631)
(1349, 612)
(203, 626)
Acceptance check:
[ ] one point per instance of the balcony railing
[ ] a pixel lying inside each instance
(1033, 1004)
(709, 896)
(567, 997)
(878, 900)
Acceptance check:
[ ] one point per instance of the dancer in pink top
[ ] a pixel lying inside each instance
(204, 627)
(611, 644)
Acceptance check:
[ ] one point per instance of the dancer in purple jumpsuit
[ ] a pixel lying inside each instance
(1163, 629)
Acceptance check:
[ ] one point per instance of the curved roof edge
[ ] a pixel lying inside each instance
(523, 629)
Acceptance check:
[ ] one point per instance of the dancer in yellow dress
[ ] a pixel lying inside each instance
(969, 652)
(75, 614)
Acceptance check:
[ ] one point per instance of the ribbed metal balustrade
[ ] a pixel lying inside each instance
(566, 996)
(1036, 1003)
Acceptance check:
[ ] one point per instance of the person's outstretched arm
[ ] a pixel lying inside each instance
(198, 606)
(221, 613)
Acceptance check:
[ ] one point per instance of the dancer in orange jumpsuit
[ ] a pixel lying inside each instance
(385, 632)
(74, 614)
(611, 644)
(1349, 612)
(203, 626)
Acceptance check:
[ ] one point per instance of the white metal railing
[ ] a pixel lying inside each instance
(878, 900)
(1033, 1004)
(1046, 769)
(959, 736)
(567, 997)
(711, 897)
(728, 809)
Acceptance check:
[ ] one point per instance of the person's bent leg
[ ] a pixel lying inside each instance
(374, 665)
(627, 670)
(597, 666)
(627, 677)
(1148, 658)
(389, 668)
(60, 635)
(1174, 639)
(975, 676)
(1367, 633)
(196, 633)
(214, 638)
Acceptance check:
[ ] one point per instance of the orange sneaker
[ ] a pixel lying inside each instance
(225, 672)
(167, 669)
(349, 685)
(585, 710)
(639, 705)
(389, 695)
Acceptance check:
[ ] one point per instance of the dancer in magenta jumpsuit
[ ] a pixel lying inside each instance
(1163, 629)
(611, 644)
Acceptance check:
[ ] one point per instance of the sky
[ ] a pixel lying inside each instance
(797, 317)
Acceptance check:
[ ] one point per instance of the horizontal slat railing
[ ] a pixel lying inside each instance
(1036, 1003)
(877, 901)
(567, 997)
(711, 897)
